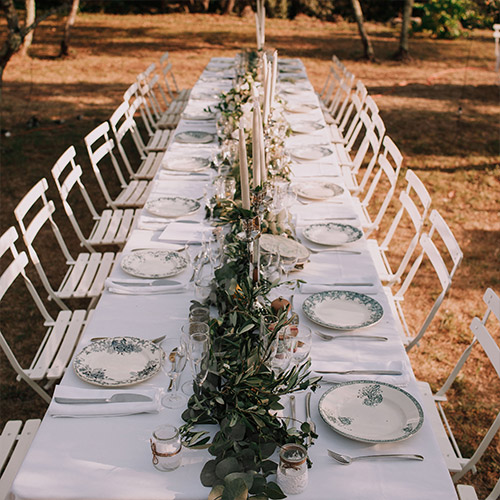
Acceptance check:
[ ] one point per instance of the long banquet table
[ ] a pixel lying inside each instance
(110, 457)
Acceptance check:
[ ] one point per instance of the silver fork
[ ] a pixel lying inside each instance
(347, 460)
(326, 337)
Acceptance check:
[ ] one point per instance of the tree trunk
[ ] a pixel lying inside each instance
(30, 18)
(67, 28)
(367, 45)
(229, 7)
(403, 53)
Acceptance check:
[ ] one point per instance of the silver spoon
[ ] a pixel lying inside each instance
(347, 460)
(326, 337)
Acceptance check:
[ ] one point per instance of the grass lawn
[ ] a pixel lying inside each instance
(441, 110)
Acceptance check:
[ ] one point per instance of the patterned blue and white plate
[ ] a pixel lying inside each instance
(172, 206)
(371, 411)
(342, 310)
(195, 137)
(332, 233)
(153, 263)
(118, 361)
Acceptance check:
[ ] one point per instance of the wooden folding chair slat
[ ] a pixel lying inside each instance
(18, 443)
(160, 141)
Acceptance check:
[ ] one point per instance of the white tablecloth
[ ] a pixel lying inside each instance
(110, 457)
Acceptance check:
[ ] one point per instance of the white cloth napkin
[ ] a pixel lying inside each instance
(116, 286)
(399, 380)
(102, 409)
(182, 232)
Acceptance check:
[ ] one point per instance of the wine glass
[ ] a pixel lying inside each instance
(174, 363)
(289, 261)
(300, 337)
(270, 263)
(210, 202)
(198, 352)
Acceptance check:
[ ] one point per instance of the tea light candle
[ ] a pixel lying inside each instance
(166, 447)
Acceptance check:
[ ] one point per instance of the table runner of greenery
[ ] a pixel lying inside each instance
(242, 393)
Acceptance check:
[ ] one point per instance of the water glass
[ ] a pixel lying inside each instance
(300, 337)
(270, 266)
(199, 315)
(202, 288)
(173, 365)
(199, 355)
(166, 447)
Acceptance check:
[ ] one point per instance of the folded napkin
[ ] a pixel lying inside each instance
(102, 409)
(314, 169)
(126, 286)
(399, 380)
(174, 175)
(182, 232)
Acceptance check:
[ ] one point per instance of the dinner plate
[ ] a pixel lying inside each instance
(342, 310)
(118, 361)
(318, 190)
(153, 263)
(195, 137)
(172, 206)
(188, 164)
(371, 411)
(307, 127)
(332, 233)
(289, 68)
(199, 116)
(311, 152)
(300, 108)
(284, 246)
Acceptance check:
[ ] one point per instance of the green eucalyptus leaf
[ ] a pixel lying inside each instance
(259, 485)
(227, 466)
(268, 467)
(267, 449)
(208, 476)
(247, 477)
(216, 493)
(235, 489)
(274, 491)
(237, 432)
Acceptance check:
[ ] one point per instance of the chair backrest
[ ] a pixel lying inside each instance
(340, 99)
(417, 212)
(122, 123)
(68, 176)
(168, 74)
(154, 97)
(370, 106)
(483, 338)
(387, 165)
(33, 212)
(350, 119)
(430, 250)
(100, 146)
(137, 103)
(16, 267)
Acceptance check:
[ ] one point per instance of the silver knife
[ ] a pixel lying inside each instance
(292, 410)
(361, 372)
(158, 282)
(115, 398)
(308, 416)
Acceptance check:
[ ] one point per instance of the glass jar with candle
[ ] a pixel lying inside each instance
(292, 472)
(166, 447)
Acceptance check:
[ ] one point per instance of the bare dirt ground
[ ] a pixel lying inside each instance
(441, 110)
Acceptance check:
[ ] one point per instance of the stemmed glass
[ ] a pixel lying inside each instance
(288, 262)
(198, 351)
(300, 337)
(209, 202)
(174, 363)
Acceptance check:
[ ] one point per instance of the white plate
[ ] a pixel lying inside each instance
(289, 68)
(118, 361)
(172, 206)
(342, 310)
(284, 246)
(371, 412)
(318, 190)
(200, 116)
(332, 233)
(311, 152)
(189, 164)
(153, 263)
(307, 127)
(194, 137)
(300, 108)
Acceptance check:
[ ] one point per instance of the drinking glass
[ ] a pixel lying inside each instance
(270, 263)
(209, 202)
(199, 315)
(166, 447)
(300, 337)
(174, 363)
(288, 262)
(202, 288)
(199, 354)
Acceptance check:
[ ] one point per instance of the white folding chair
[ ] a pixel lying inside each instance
(364, 144)
(122, 123)
(110, 227)
(62, 333)
(14, 444)
(467, 492)
(342, 132)
(496, 36)
(84, 276)
(162, 113)
(435, 403)
(415, 203)
(175, 93)
(339, 101)
(137, 103)
(100, 147)
(429, 251)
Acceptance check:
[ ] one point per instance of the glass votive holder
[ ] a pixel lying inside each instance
(166, 447)
(199, 315)
(292, 474)
(202, 288)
